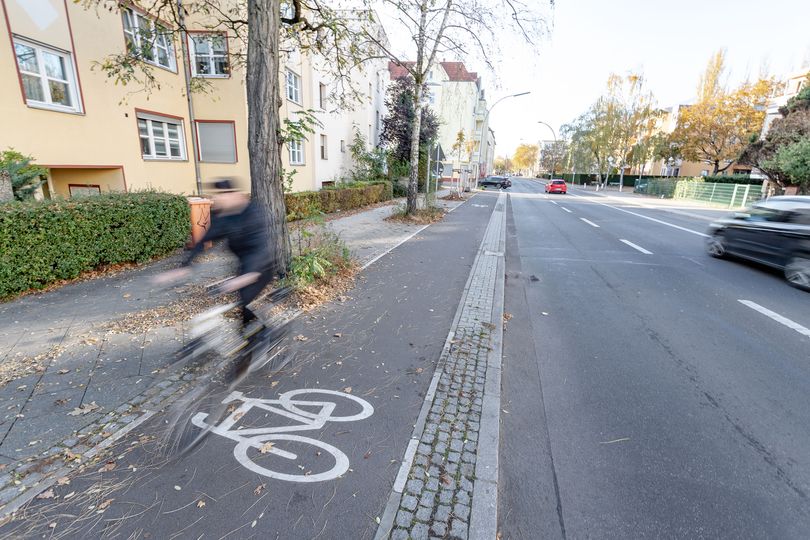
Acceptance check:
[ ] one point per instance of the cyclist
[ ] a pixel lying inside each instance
(242, 223)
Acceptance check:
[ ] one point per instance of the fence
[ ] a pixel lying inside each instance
(719, 194)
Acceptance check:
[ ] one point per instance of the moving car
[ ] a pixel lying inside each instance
(774, 232)
(500, 182)
(557, 186)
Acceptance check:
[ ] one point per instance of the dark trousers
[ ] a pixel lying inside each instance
(248, 294)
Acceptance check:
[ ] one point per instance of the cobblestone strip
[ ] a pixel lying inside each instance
(441, 483)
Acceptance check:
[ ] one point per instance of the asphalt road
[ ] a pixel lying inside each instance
(380, 345)
(641, 398)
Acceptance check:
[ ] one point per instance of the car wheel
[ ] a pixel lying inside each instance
(797, 272)
(716, 246)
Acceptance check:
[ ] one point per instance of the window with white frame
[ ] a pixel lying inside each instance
(324, 147)
(322, 95)
(293, 87)
(343, 146)
(217, 141)
(210, 53)
(147, 39)
(161, 137)
(296, 152)
(48, 77)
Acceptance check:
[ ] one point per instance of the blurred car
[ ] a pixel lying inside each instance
(641, 185)
(774, 232)
(500, 182)
(557, 186)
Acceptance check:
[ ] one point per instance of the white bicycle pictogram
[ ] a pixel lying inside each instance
(317, 414)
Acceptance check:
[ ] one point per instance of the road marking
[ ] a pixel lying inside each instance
(704, 235)
(589, 222)
(554, 202)
(634, 246)
(778, 318)
(566, 209)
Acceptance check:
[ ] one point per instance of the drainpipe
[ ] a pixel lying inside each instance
(187, 73)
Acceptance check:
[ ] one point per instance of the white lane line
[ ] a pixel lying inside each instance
(778, 318)
(554, 202)
(634, 246)
(589, 222)
(566, 209)
(704, 235)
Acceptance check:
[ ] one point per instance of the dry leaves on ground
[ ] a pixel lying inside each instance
(84, 409)
(266, 447)
(259, 489)
(15, 367)
(46, 494)
(200, 504)
(110, 465)
(423, 216)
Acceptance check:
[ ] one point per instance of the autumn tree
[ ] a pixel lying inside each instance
(459, 28)
(525, 157)
(397, 125)
(502, 165)
(553, 155)
(716, 128)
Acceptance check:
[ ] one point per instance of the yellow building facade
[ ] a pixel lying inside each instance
(58, 106)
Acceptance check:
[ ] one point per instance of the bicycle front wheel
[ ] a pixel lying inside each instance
(248, 450)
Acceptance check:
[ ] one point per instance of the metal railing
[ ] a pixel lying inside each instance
(723, 195)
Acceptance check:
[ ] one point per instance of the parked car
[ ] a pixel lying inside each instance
(774, 232)
(556, 186)
(499, 182)
(641, 185)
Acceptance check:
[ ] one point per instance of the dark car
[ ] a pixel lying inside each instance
(774, 232)
(500, 182)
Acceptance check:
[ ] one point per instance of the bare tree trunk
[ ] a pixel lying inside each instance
(264, 145)
(416, 129)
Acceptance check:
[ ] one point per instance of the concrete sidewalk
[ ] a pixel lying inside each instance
(82, 362)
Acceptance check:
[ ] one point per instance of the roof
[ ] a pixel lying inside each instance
(397, 71)
(456, 71)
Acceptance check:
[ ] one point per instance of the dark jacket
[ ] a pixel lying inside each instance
(247, 237)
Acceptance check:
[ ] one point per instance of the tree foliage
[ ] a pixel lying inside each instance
(553, 156)
(25, 177)
(525, 157)
(397, 125)
(715, 129)
(502, 165)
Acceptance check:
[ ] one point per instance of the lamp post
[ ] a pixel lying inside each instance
(485, 124)
(553, 134)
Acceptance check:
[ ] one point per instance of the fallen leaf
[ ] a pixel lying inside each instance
(338, 334)
(377, 520)
(301, 337)
(348, 389)
(200, 504)
(110, 465)
(445, 479)
(259, 489)
(273, 384)
(545, 313)
(70, 456)
(84, 409)
(238, 415)
(63, 481)
(127, 295)
(367, 455)
(266, 447)
(104, 505)
(46, 494)
(22, 387)
(61, 401)
(419, 370)
(507, 316)
(63, 371)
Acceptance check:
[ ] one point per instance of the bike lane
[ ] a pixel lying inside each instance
(373, 354)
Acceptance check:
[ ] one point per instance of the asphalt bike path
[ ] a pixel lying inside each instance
(661, 405)
(321, 442)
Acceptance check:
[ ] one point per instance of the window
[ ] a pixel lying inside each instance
(84, 190)
(210, 53)
(147, 39)
(217, 141)
(324, 150)
(293, 87)
(161, 137)
(48, 77)
(296, 152)
(342, 146)
(322, 95)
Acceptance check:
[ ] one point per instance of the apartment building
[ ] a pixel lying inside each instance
(92, 135)
(785, 89)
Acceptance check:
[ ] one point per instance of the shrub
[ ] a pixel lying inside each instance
(309, 203)
(43, 242)
(733, 179)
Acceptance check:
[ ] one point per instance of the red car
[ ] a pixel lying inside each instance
(557, 186)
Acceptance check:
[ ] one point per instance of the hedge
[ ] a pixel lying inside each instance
(42, 242)
(305, 204)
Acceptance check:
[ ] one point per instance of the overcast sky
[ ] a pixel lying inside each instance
(669, 41)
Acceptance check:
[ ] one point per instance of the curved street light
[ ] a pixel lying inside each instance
(486, 124)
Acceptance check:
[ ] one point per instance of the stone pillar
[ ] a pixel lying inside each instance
(6, 193)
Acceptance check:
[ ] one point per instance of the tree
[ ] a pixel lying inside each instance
(452, 27)
(553, 154)
(259, 26)
(794, 160)
(791, 128)
(397, 125)
(716, 128)
(25, 177)
(525, 157)
(502, 165)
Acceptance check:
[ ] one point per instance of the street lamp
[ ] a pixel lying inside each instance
(484, 125)
(555, 144)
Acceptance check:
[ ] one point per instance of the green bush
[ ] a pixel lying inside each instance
(733, 179)
(43, 242)
(309, 203)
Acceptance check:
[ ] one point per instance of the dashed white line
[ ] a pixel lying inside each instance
(778, 318)
(589, 222)
(566, 209)
(554, 202)
(634, 246)
(704, 235)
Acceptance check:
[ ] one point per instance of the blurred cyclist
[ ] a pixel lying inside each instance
(243, 224)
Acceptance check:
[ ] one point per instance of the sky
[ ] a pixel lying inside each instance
(670, 42)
